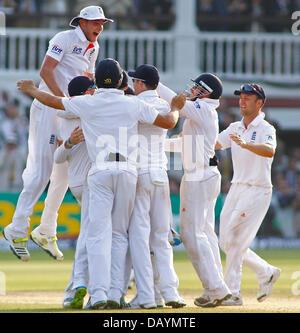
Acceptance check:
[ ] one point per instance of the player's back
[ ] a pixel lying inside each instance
(109, 123)
(151, 137)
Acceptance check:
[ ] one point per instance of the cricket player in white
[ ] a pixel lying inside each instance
(253, 142)
(200, 186)
(152, 210)
(74, 151)
(109, 123)
(71, 53)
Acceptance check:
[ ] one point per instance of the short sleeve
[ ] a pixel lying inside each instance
(147, 113)
(58, 46)
(224, 139)
(73, 105)
(270, 136)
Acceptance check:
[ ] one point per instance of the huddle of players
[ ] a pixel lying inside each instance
(149, 252)
(118, 201)
(199, 189)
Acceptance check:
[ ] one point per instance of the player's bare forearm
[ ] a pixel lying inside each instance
(47, 74)
(261, 149)
(50, 80)
(167, 121)
(28, 87)
(264, 150)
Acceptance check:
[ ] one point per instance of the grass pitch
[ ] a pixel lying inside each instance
(38, 285)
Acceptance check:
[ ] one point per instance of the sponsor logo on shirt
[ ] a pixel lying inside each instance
(56, 49)
(90, 55)
(52, 139)
(197, 105)
(253, 136)
(76, 49)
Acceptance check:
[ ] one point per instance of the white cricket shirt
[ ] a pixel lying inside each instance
(75, 55)
(79, 162)
(110, 125)
(78, 159)
(250, 168)
(152, 138)
(199, 133)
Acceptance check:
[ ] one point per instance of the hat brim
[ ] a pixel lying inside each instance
(75, 21)
(131, 74)
(238, 92)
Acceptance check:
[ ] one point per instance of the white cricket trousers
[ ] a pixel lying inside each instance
(111, 200)
(150, 222)
(197, 221)
(79, 275)
(41, 147)
(242, 214)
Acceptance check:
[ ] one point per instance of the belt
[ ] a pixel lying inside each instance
(116, 157)
(214, 161)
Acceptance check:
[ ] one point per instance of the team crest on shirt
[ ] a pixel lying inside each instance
(76, 49)
(253, 136)
(52, 139)
(56, 49)
(197, 105)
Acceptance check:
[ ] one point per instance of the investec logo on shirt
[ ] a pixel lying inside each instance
(56, 49)
(76, 49)
(128, 147)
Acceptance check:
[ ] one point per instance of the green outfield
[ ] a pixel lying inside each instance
(38, 285)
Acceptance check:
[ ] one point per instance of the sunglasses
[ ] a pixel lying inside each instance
(89, 88)
(250, 88)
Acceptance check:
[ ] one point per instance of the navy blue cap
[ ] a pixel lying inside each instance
(79, 85)
(146, 73)
(252, 89)
(108, 73)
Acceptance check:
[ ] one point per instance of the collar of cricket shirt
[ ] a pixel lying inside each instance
(148, 93)
(109, 90)
(255, 121)
(213, 102)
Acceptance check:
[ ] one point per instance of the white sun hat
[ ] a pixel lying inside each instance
(90, 13)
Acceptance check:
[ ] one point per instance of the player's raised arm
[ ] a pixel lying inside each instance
(170, 120)
(47, 74)
(28, 87)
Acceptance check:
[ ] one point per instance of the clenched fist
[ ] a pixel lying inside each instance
(178, 101)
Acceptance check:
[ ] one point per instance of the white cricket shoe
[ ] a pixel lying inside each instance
(48, 244)
(210, 302)
(133, 304)
(234, 300)
(18, 246)
(176, 303)
(265, 288)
